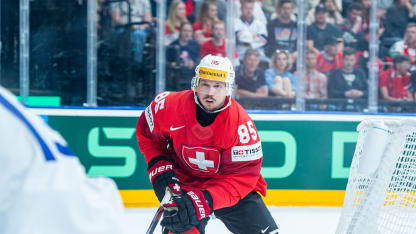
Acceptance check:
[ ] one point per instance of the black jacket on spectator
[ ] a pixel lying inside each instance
(280, 36)
(247, 83)
(318, 35)
(395, 21)
(177, 53)
(338, 85)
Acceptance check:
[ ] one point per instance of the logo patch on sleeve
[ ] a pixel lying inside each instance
(149, 117)
(246, 152)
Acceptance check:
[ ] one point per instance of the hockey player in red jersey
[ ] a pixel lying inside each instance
(204, 147)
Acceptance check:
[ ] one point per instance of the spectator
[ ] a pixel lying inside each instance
(331, 58)
(257, 10)
(140, 12)
(412, 87)
(320, 29)
(221, 8)
(280, 81)
(249, 78)
(206, 17)
(406, 46)
(398, 15)
(176, 17)
(352, 25)
(334, 13)
(309, 5)
(383, 5)
(363, 54)
(282, 31)
(269, 7)
(216, 46)
(347, 82)
(183, 54)
(251, 33)
(394, 83)
(366, 5)
(316, 82)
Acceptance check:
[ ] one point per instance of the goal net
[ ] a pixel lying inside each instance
(381, 191)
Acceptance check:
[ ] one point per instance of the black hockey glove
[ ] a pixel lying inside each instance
(161, 175)
(186, 211)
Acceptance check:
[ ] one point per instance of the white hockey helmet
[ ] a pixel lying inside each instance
(215, 68)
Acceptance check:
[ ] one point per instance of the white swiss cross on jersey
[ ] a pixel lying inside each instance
(202, 159)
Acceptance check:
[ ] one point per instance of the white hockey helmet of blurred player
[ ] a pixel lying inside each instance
(215, 68)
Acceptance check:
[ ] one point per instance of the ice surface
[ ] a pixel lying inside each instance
(291, 220)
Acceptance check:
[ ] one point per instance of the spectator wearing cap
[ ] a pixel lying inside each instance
(280, 81)
(353, 25)
(394, 83)
(249, 78)
(334, 12)
(282, 31)
(347, 82)
(250, 32)
(320, 29)
(331, 57)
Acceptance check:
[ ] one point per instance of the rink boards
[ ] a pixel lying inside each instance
(306, 157)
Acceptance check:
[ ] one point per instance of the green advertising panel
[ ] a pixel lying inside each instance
(307, 155)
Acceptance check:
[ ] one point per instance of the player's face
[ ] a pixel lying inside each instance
(211, 94)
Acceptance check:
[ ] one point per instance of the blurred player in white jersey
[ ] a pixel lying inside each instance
(43, 186)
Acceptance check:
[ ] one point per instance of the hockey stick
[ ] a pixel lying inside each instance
(159, 212)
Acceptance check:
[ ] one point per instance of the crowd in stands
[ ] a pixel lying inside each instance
(337, 45)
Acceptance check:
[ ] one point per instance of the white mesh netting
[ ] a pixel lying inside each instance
(381, 191)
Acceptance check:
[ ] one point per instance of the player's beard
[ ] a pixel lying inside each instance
(210, 103)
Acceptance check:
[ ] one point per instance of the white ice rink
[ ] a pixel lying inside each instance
(291, 220)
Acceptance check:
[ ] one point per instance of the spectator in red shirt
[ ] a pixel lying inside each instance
(394, 83)
(216, 46)
(207, 16)
(331, 58)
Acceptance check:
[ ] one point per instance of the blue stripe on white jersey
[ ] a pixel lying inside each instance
(46, 151)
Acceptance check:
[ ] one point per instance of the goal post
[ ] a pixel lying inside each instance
(381, 190)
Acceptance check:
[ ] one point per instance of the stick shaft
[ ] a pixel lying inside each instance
(159, 213)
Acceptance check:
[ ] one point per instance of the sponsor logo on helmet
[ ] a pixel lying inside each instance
(212, 74)
(215, 62)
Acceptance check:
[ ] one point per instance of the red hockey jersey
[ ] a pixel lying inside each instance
(223, 158)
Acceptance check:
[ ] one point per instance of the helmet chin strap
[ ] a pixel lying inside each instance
(212, 112)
